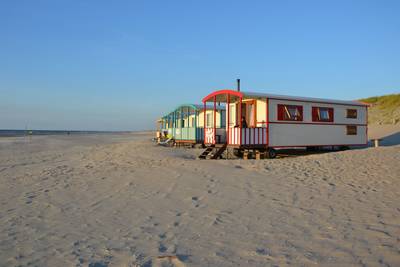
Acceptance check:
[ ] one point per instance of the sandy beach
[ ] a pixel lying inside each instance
(120, 200)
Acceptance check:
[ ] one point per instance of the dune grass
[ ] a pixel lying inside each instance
(384, 109)
(384, 102)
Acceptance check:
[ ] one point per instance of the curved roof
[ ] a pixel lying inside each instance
(220, 96)
(196, 107)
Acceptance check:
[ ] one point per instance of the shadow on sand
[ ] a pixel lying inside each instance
(285, 153)
(389, 140)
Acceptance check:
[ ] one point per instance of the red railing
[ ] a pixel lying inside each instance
(219, 137)
(209, 136)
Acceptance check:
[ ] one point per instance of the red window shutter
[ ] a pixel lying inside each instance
(315, 114)
(281, 110)
(330, 114)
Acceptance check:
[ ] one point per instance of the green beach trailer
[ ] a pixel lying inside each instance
(185, 124)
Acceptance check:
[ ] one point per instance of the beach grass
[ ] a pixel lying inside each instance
(384, 109)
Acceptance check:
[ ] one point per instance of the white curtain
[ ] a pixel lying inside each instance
(250, 115)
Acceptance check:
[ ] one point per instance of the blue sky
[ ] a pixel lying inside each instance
(118, 65)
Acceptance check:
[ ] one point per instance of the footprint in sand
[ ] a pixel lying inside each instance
(207, 175)
(30, 197)
(222, 218)
(98, 264)
(174, 261)
(162, 248)
(196, 202)
(177, 219)
(263, 252)
(210, 186)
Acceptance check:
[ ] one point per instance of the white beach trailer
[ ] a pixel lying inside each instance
(268, 121)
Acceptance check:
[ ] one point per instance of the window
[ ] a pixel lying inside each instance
(352, 114)
(223, 118)
(250, 114)
(322, 114)
(209, 120)
(232, 115)
(290, 113)
(192, 125)
(351, 130)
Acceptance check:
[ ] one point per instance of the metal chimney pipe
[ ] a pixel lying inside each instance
(238, 84)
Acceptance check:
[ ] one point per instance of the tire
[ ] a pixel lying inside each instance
(271, 153)
(343, 148)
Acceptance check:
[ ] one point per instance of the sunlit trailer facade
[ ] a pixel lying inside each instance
(185, 124)
(277, 121)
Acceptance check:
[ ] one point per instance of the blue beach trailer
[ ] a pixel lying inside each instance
(185, 124)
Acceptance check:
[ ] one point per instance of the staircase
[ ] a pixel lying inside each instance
(213, 152)
(206, 152)
(218, 152)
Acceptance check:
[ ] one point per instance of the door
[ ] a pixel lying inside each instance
(249, 113)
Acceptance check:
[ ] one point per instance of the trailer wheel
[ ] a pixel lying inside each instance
(271, 153)
(343, 148)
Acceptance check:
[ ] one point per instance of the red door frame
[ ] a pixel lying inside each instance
(267, 120)
(215, 120)
(228, 102)
(204, 122)
(240, 121)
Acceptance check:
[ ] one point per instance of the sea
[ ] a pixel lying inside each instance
(16, 133)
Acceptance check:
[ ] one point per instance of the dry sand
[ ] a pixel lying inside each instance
(119, 200)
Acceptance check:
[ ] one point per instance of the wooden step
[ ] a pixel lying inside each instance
(218, 152)
(213, 152)
(206, 152)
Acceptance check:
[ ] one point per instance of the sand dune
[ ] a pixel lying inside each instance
(122, 201)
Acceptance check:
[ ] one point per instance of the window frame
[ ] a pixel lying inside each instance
(351, 132)
(353, 110)
(316, 111)
(284, 109)
(251, 120)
